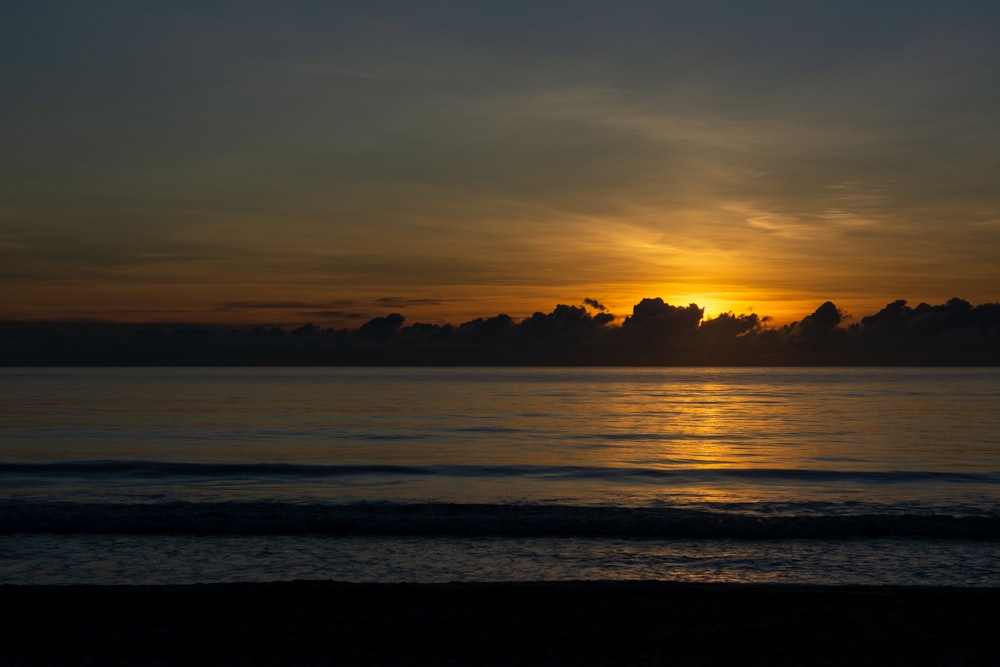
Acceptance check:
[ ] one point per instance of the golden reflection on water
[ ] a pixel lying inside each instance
(680, 420)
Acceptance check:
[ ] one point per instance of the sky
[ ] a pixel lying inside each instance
(335, 161)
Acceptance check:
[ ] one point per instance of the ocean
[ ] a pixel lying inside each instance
(835, 476)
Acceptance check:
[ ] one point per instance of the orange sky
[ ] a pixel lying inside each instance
(190, 163)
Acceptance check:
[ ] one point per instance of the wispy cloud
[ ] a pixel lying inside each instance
(529, 154)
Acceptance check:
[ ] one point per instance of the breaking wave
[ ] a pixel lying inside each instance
(506, 520)
(168, 469)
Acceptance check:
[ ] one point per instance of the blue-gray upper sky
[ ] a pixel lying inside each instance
(298, 160)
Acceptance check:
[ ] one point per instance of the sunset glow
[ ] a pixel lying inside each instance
(334, 164)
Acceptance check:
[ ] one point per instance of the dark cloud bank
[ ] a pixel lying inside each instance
(656, 333)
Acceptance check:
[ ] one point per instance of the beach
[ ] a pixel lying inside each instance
(569, 623)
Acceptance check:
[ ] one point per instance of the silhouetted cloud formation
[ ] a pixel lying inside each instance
(382, 327)
(656, 333)
(728, 325)
(826, 316)
(654, 317)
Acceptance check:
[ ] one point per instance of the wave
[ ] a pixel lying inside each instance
(473, 520)
(168, 469)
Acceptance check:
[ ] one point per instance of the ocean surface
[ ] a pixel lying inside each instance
(801, 475)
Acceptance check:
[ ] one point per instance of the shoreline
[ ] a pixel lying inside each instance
(543, 623)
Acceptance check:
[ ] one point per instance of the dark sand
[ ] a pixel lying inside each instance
(498, 624)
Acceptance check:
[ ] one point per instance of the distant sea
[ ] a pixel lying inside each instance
(792, 475)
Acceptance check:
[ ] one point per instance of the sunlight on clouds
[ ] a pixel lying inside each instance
(856, 204)
(785, 227)
(475, 162)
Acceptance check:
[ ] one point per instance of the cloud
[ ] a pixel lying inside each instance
(824, 318)
(509, 145)
(334, 314)
(653, 318)
(269, 305)
(403, 302)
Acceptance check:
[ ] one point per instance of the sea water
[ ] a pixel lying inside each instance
(798, 475)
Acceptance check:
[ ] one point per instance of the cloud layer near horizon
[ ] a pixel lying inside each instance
(475, 156)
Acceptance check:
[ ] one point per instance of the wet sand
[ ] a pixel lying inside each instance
(589, 623)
